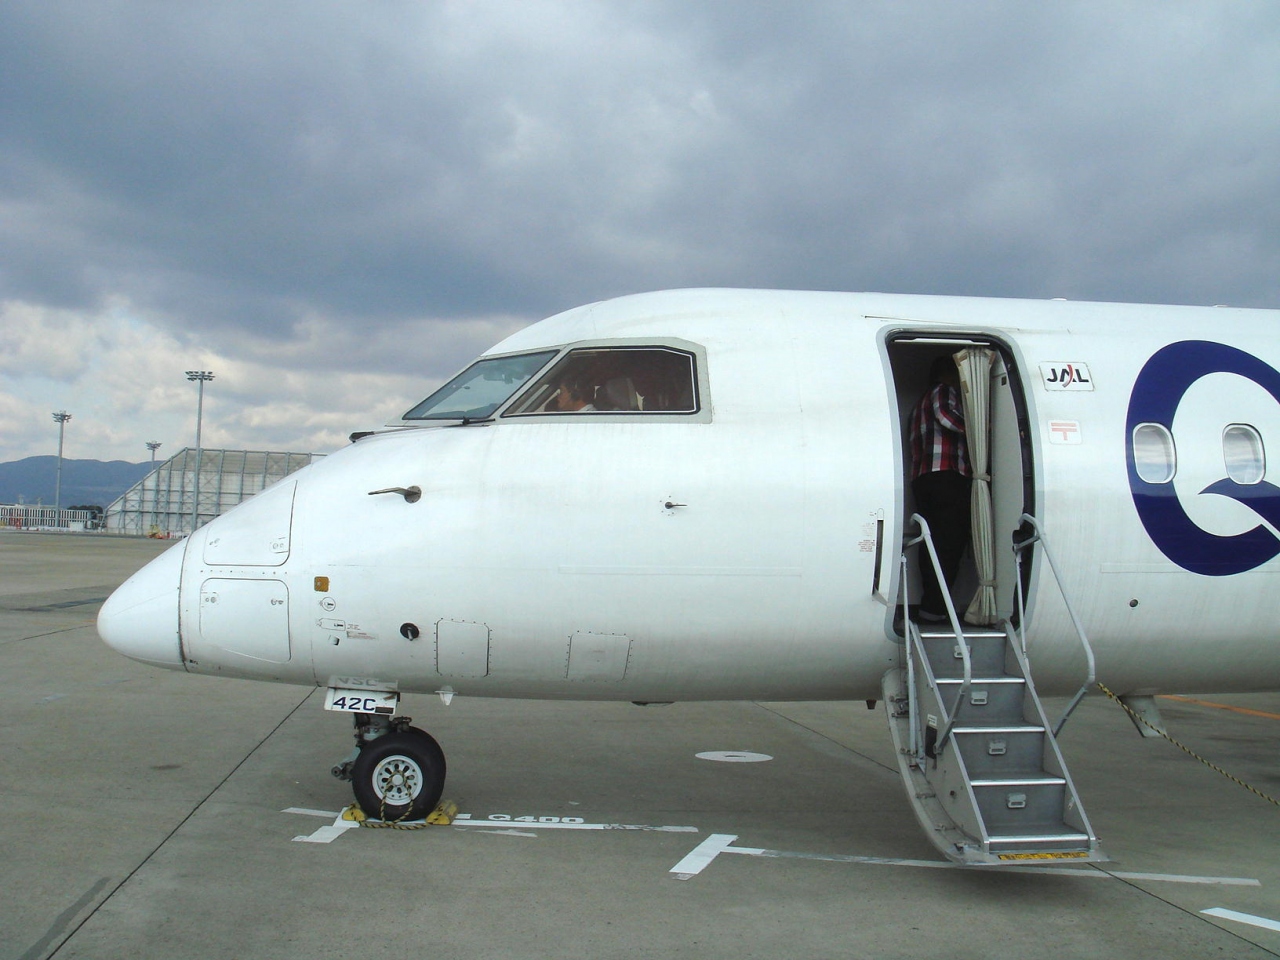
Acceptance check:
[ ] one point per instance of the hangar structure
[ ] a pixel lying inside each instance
(192, 487)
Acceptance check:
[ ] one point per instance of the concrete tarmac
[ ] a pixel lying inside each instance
(147, 813)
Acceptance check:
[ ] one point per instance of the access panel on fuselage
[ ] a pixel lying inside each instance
(245, 617)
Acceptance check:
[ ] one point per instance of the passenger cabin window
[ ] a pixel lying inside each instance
(1242, 450)
(627, 380)
(1154, 456)
(481, 388)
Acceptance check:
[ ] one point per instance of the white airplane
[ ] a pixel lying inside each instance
(703, 495)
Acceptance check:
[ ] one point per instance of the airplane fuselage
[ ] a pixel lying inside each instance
(746, 543)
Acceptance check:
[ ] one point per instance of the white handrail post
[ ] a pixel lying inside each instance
(926, 537)
(1091, 662)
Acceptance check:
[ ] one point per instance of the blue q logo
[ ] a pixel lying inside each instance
(1159, 389)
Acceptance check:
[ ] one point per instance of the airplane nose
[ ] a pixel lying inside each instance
(140, 619)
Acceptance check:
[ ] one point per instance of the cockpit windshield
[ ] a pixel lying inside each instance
(615, 380)
(480, 389)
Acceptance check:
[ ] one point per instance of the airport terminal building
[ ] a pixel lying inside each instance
(189, 489)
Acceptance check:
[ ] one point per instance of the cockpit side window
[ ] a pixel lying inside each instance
(626, 380)
(481, 388)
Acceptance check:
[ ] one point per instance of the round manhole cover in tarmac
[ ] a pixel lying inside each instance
(733, 756)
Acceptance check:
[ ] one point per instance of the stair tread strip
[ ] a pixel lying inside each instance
(978, 681)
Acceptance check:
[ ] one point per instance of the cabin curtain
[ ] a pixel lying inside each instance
(974, 364)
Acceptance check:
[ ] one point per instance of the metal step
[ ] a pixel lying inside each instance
(1007, 804)
(986, 656)
(1055, 834)
(999, 698)
(1064, 841)
(997, 751)
(944, 630)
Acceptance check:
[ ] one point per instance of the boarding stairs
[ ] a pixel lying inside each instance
(975, 748)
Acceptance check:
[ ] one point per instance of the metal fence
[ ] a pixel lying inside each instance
(169, 502)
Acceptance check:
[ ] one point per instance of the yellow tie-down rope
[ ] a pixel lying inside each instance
(1184, 748)
(441, 816)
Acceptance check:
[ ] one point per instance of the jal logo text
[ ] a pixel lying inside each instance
(1060, 375)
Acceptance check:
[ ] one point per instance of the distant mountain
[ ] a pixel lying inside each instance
(83, 481)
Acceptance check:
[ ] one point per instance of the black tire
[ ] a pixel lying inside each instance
(399, 776)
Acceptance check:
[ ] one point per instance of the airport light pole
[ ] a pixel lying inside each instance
(61, 417)
(199, 377)
(153, 446)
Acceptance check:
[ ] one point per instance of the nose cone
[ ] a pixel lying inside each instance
(140, 619)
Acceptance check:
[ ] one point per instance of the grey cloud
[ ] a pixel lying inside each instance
(247, 165)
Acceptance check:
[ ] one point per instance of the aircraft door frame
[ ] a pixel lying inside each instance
(908, 354)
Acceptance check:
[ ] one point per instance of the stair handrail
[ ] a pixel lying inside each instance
(926, 537)
(911, 637)
(1037, 536)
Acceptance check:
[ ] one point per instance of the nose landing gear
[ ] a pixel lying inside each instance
(396, 771)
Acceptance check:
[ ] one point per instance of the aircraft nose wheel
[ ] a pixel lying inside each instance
(399, 776)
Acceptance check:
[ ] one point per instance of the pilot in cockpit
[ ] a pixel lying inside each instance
(575, 395)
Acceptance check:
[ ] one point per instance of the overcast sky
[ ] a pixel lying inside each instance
(334, 206)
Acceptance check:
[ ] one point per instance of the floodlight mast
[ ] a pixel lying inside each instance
(199, 377)
(61, 417)
(153, 446)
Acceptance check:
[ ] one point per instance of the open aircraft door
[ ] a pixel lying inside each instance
(1001, 455)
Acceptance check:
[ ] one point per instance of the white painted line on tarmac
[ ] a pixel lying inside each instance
(328, 834)
(1182, 878)
(559, 823)
(702, 855)
(515, 826)
(842, 858)
(1248, 918)
(511, 833)
(312, 813)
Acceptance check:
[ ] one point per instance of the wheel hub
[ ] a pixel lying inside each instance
(397, 780)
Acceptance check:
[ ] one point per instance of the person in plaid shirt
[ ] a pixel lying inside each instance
(940, 479)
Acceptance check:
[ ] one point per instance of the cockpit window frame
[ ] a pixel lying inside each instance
(701, 388)
(548, 355)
